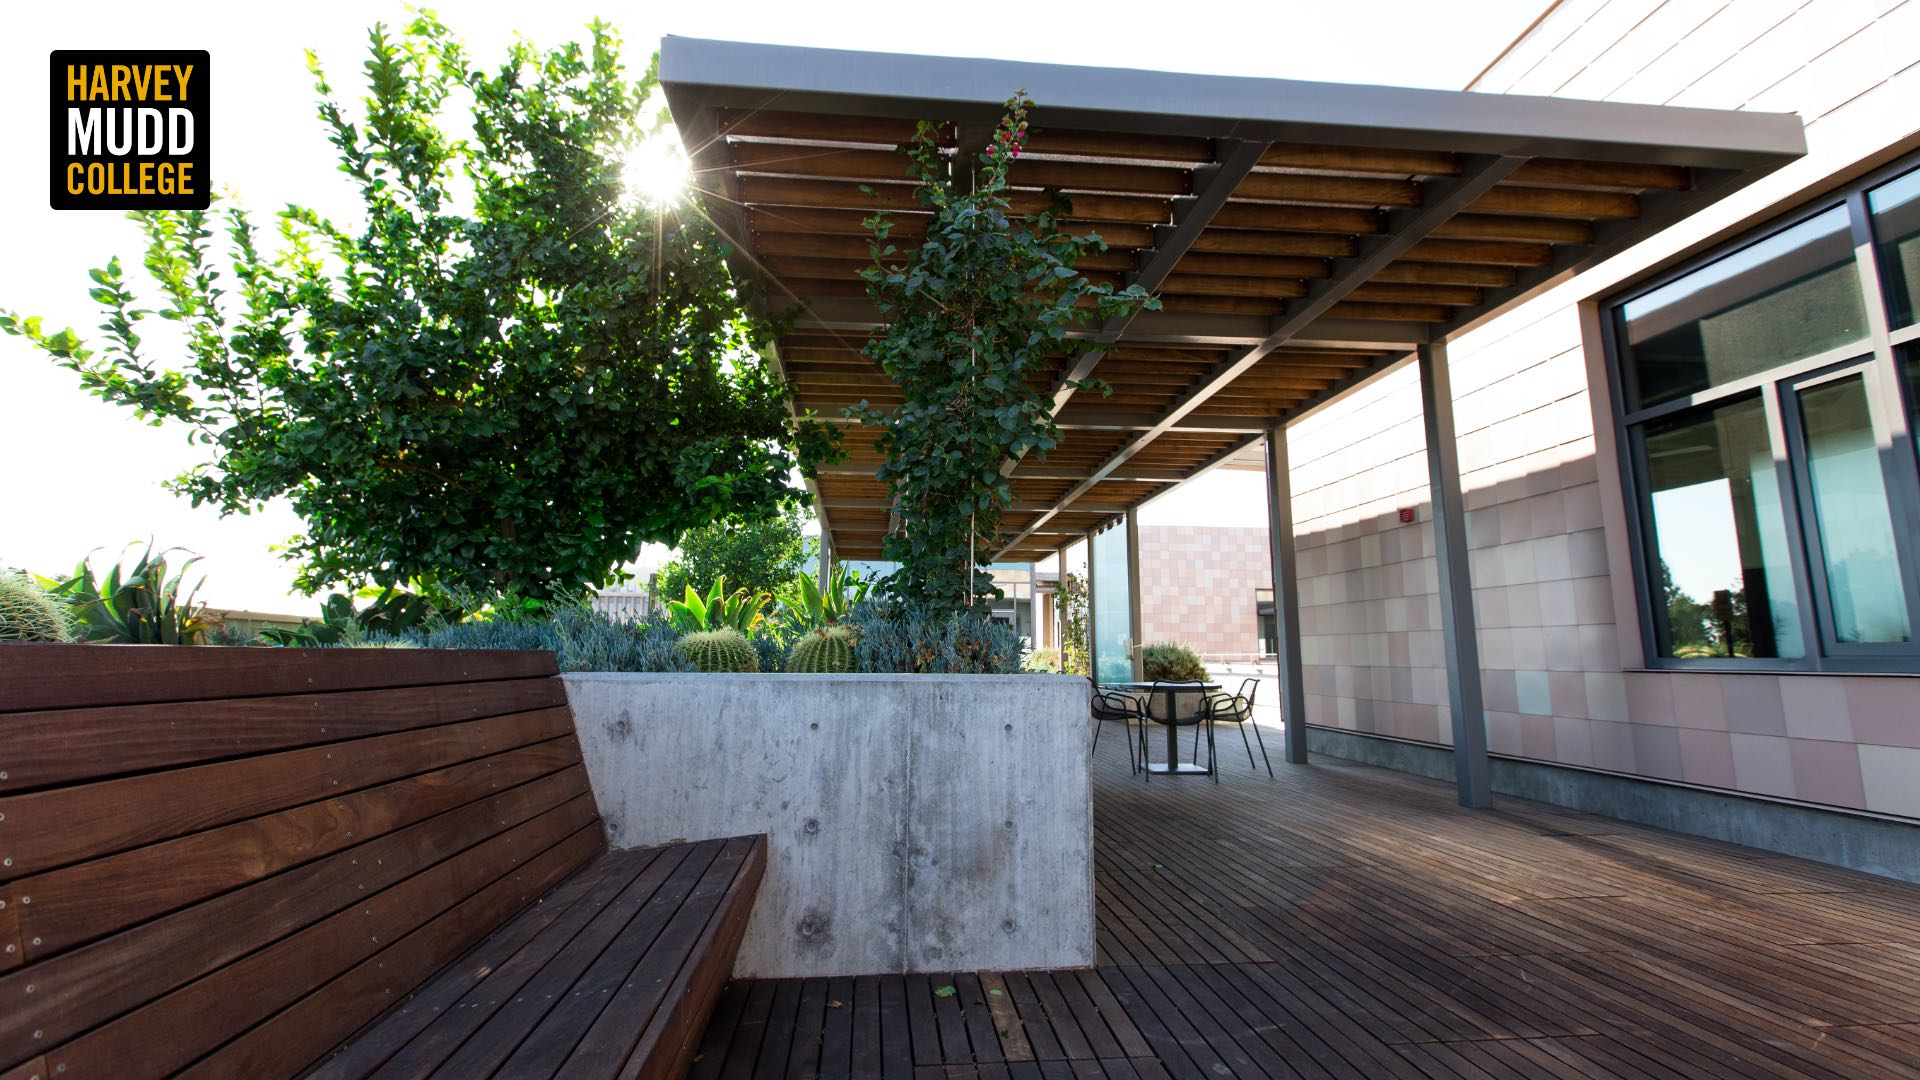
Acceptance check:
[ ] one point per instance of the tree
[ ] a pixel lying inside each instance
(757, 554)
(506, 381)
(973, 316)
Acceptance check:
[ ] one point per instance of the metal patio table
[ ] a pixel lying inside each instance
(1172, 766)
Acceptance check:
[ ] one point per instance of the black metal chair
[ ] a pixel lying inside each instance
(1165, 697)
(1237, 709)
(1111, 705)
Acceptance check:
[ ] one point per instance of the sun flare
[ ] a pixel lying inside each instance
(655, 172)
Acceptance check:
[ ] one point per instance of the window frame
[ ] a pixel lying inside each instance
(1881, 358)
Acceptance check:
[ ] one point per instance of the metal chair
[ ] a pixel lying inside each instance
(1237, 709)
(1114, 705)
(1196, 719)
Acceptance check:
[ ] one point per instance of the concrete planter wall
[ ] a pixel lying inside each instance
(915, 822)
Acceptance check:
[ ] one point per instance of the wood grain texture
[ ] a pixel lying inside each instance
(68, 745)
(36, 677)
(1342, 921)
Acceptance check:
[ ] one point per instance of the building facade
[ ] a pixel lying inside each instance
(1690, 473)
(1210, 587)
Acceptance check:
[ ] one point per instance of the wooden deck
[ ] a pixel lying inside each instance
(1353, 922)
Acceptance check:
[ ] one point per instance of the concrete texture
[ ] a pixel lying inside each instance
(1856, 841)
(915, 822)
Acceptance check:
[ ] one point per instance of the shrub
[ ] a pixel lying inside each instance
(772, 650)
(720, 650)
(1043, 660)
(1173, 662)
(28, 613)
(581, 640)
(828, 649)
(895, 639)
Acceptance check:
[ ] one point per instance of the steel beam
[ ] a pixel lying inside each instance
(1286, 595)
(966, 91)
(1213, 184)
(1457, 631)
(1441, 198)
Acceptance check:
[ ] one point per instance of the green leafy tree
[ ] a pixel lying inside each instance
(758, 554)
(506, 380)
(980, 310)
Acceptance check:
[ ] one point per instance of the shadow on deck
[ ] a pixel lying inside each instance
(1348, 921)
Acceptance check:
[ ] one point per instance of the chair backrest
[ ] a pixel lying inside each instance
(218, 855)
(1167, 696)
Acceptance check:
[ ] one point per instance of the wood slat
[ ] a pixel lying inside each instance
(40, 677)
(45, 829)
(67, 745)
(77, 989)
(174, 1030)
(97, 897)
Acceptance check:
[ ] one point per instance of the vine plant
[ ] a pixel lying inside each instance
(982, 309)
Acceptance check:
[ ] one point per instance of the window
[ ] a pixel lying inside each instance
(1770, 399)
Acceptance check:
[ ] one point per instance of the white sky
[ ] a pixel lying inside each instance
(83, 474)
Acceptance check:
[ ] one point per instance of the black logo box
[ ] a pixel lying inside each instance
(101, 174)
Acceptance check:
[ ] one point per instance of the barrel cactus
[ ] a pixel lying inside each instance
(28, 613)
(824, 651)
(720, 650)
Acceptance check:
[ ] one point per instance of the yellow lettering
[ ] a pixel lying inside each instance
(180, 76)
(75, 182)
(76, 83)
(142, 81)
(99, 89)
(121, 76)
(184, 184)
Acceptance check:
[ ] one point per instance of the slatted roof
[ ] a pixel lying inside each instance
(1302, 236)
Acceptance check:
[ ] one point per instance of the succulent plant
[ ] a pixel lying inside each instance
(29, 613)
(826, 650)
(725, 649)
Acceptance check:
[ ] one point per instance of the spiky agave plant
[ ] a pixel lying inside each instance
(141, 605)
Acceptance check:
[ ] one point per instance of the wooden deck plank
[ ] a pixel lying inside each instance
(1348, 922)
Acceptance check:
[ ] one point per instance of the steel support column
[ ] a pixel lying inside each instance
(1133, 593)
(1286, 595)
(1456, 585)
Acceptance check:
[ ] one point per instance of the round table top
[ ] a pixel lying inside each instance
(1164, 684)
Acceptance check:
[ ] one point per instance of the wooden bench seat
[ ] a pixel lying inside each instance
(261, 863)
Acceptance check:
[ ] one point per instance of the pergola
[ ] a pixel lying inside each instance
(1303, 238)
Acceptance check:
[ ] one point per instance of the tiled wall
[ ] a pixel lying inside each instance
(1552, 589)
(1197, 586)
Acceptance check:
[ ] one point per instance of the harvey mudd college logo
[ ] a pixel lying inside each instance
(128, 129)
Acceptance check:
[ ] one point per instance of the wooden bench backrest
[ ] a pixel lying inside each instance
(211, 853)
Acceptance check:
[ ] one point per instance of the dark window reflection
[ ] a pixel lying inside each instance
(1723, 576)
(1793, 295)
(1896, 221)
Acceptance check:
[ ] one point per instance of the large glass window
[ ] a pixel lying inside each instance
(1768, 410)
(1896, 223)
(1725, 578)
(1112, 607)
(1859, 564)
(1793, 295)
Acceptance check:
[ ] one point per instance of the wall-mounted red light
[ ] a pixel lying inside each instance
(1406, 515)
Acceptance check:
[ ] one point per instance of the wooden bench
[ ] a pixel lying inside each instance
(267, 862)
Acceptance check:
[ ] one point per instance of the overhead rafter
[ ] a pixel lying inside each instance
(1440, 199)
(1212, 185)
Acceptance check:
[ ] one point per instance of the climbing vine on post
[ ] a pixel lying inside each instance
(982, 307)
